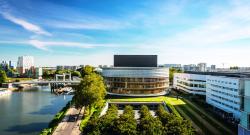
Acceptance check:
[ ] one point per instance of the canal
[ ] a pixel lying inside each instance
(28, 112)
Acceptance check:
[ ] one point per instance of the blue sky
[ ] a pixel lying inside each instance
(73, 32)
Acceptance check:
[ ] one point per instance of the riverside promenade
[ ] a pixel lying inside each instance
(71, 123)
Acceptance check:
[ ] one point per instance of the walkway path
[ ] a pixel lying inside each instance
(70, 124)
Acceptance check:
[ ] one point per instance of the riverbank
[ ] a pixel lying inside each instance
(56, 120)
(29, 111)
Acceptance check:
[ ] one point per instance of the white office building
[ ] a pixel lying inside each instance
(190, 83)
(223, 92)
(226, 92)
(24, 64)
(244, 126)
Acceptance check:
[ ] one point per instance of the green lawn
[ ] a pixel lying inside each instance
(170, 100)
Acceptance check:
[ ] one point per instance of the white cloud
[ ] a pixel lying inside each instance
(25, 24)
(91, 24)
(43, 45)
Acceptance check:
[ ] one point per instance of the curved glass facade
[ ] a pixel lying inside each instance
(136, 81)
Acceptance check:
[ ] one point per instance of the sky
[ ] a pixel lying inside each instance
(81, 32)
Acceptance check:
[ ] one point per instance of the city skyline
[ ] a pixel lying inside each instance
(91, 32)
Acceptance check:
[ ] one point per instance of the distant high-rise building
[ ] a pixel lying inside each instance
(213, 68)
(190, 67)
(202, 67)
(24, 64)
(10, 64)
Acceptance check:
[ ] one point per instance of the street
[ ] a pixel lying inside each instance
(70, 124)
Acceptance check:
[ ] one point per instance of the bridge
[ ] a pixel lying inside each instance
(54, 84)
(46, 82)
(71, 80)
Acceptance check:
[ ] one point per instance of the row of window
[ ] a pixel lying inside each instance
(219, 81)
(226, 105)
(116, 85)
(191, 80)
(191, 89)
(123, 91)
(222, 87)
(226, 99)
(224, 93)
(122, 79)
(191, 84)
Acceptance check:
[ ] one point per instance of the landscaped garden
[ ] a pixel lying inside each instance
(169, 101)
(163, 124)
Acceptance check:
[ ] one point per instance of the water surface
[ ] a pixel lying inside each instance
(28, 112)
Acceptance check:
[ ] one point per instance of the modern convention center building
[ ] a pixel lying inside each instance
(136, 75)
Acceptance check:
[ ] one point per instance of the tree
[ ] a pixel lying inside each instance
(91, 91)
(103, 125)
(171, 74)
(173, 124)
(176, 125)
(148, 124)
(76, 73)
(107, 122)
(160, 111)
(3, 77)
(60, 72)
(92, 127)
(48, 74)
(86, 70)
(234, 67)
(126, 124)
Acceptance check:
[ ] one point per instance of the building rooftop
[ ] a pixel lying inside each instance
(227, 74)
(135, 61)
(134, 68)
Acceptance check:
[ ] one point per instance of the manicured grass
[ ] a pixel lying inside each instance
(171, 100)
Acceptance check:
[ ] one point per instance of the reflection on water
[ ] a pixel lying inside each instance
(28, 112)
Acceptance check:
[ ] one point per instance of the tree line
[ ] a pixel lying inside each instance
(50, 74)
(163, 124)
